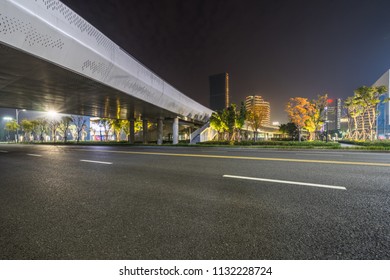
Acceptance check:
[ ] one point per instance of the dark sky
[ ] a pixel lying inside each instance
(277, 49)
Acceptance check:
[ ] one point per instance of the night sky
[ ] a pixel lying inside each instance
(277, 49)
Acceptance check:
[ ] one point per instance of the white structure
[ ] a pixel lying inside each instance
(383, 119)
(51, 58)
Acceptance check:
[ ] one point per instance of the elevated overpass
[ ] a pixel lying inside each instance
(52, 59)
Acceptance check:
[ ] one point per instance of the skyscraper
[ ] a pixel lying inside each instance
(259, 106)
(333, 114)
(219, 91)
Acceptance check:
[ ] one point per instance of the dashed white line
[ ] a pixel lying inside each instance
(94, 161)
(4, 152)
(34, 155)
(322, 154)
(286, 182)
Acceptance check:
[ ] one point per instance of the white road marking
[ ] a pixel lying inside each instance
(286, 182)
(1, 151)
(94, 161)
(239, 157)
(34, 155)
(322, 154)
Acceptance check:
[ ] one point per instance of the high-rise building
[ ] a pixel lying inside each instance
(260, 106)
(383, 119)
(333, 114)
(219, 91)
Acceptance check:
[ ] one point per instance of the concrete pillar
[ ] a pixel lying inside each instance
(175, 129)
(160, 129)
(132, 133)
(145, 131)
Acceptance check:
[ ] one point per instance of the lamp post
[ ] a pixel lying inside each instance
(327, 128)
(17, 122)
(326, 123)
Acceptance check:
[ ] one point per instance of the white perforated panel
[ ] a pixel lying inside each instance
(49, 30)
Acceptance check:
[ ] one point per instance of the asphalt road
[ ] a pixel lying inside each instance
(65, 202)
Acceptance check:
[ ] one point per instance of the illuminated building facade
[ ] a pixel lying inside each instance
(260, 106)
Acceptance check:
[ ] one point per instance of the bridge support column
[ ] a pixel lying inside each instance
(132, 132)
(145, 131)
(160, 129)
(175, 131)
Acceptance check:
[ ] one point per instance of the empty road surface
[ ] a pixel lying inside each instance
(85, 202)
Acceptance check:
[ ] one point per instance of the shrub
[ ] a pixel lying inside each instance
(275, 143)
(375, 143)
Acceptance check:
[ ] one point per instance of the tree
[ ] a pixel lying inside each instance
(64, 126)
(240, 120)
(73, 131)
(118, 126)
(40, 128)
(229, 115)
(229, 120)
(310, 125)
(369, 98)
(11, 126)
(28, 128)
(218, 123)
(255, 116)
(54, 124)
(300, 111)
(362, 110)
(137, 127)
(283, 129)
(354, 111)
(80, 123)
(105, 123)
(317, 118)
(289, 129)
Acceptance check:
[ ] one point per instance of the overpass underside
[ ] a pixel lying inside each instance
(32, 83)
(52, 59)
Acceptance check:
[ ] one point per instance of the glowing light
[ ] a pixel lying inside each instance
(52, 113)
(329, 101)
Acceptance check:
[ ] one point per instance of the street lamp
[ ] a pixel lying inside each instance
(326, 123)
(327, 129)
(17, 122)
(52, 113)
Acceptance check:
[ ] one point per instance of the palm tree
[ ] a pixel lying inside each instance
(369, 98)
(354, 111)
